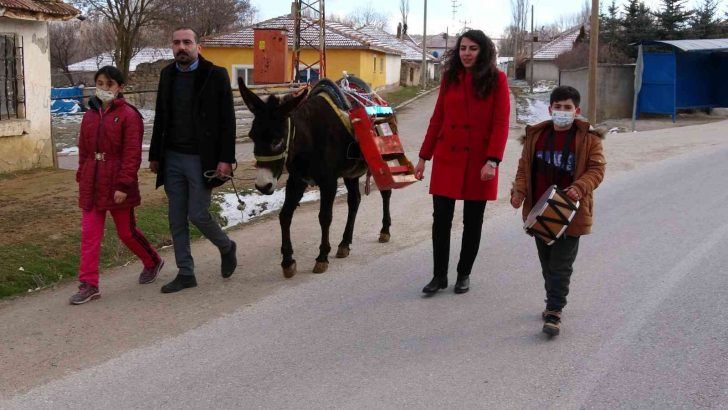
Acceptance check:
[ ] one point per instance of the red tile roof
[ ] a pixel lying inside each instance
(37, 9)
(337, 36)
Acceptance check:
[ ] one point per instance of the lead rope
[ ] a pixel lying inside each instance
(212, 174)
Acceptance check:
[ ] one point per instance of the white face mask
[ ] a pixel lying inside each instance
(562, 119)
(104, 95)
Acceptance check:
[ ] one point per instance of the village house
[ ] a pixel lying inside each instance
(346, 50)
(25, 82)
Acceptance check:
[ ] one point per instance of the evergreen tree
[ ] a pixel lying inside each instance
(610, 25)
(636, 25)
(673, 19)
(705, 23)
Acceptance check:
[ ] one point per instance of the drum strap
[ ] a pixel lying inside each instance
(565, 151)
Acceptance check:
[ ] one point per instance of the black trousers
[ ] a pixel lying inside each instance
(557, 263)
(444, 209)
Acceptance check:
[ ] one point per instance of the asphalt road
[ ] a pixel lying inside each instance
(645, 326)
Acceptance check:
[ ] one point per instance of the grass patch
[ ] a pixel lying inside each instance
(402, 94)
(42, 262)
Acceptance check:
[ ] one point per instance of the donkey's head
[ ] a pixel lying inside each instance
(271, 132)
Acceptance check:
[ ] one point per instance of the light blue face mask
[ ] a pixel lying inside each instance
(562, 119)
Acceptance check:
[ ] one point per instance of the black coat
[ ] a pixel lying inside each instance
(213, 116)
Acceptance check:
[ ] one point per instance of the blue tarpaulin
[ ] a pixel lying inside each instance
(67, 100)
(683, 74)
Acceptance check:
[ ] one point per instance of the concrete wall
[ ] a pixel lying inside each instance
(26, 144)
(543, 70)
(615, 89)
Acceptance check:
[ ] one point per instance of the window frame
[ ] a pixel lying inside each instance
(248, 74)
(17, 97)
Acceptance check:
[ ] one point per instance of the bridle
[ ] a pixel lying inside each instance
(283, 155)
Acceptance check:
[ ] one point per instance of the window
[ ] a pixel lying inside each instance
(245, 71)
(12, 86)
(375, 64)
(308, 75)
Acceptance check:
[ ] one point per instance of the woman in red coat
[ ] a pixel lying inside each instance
(466, 139)
(109, 155)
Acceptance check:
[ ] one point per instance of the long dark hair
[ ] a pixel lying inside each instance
(485, 71)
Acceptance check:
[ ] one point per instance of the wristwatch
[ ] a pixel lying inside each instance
(492, 163)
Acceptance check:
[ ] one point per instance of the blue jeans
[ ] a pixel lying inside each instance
(189, 201)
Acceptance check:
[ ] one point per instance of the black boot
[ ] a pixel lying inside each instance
(229, 261)
(435, 284)
(179, 283)
(462, 285)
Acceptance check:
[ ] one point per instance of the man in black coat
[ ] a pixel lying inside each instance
(192, 150)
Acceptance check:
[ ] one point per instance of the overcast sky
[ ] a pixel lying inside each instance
(491, 16)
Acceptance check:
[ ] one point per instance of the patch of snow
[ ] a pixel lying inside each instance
(532, 110)
(68, 151)
(544, 86)
(74, 118)
(257, 204)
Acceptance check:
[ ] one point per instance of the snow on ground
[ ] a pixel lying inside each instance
(68, 151)
(532, 109)
(257, 204)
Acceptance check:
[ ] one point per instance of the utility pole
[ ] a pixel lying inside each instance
(424, 50)
(447, 37)
(532, 38)
(593, 61)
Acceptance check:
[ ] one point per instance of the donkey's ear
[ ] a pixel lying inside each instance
(254, 103)
(293, 102)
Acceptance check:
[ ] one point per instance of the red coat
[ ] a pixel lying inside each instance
(117, 136)
(463, 133)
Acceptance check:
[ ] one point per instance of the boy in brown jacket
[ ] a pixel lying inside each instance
(566, 152)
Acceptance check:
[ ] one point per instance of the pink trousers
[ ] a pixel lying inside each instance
(92, 234)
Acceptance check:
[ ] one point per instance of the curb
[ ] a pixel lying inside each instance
(411, 100)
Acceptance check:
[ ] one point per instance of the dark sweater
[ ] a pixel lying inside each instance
(183, 138)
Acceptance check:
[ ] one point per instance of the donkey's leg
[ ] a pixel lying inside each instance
(328, 194)
(353, 199)
(386, 219)
(294, 192)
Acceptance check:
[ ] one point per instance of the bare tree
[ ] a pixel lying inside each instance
(581, 17)
(404, 11)
(368, 16)
(64, 45)
(519, 16)
(208, 17)
(128, 19)
(345, 20)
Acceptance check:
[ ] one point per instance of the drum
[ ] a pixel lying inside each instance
(551, 215)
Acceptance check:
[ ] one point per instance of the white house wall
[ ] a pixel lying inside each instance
(393, 65)
(33, 148)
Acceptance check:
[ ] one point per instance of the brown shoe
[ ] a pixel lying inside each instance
(552, 322)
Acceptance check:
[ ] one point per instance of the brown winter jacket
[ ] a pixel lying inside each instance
(588, 173)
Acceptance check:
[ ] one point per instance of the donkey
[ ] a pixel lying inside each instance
(304, 133)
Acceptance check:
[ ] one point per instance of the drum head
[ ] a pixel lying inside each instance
(539, 207)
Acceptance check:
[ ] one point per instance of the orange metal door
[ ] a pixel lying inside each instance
(270, 54)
